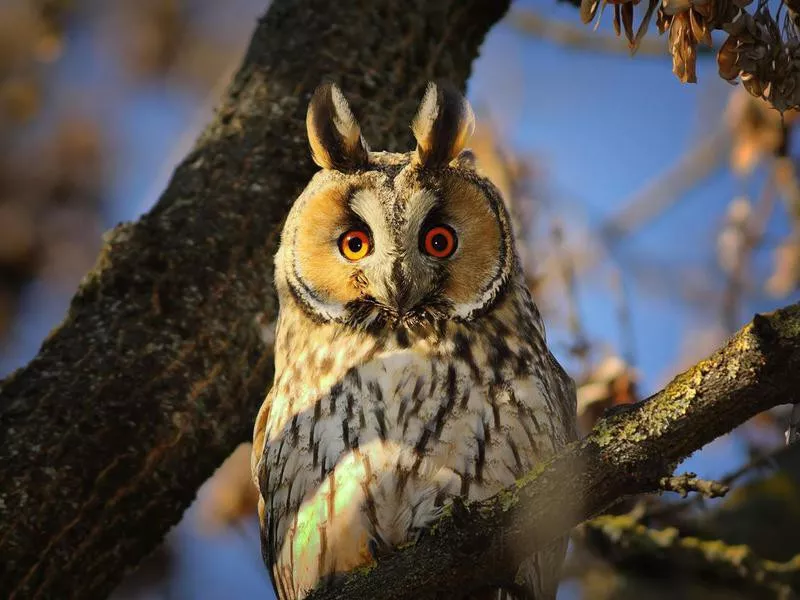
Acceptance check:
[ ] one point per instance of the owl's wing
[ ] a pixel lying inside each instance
(562, 388)
(259, 435)
(259, 469)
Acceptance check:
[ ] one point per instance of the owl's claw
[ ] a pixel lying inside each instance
(460, 511)
(372, 545)
(378, 548)
(421, 532)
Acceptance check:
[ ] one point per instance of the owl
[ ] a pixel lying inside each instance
(411, 366)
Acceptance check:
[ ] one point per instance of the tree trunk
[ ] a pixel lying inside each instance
(157, 371)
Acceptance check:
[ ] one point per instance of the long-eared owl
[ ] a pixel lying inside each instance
(410, 360)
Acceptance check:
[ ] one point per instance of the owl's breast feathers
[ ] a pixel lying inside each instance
(363, 437)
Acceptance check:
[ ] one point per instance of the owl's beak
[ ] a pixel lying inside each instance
(394, 300)
(395, 293)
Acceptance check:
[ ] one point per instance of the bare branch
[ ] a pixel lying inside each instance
(689, 482)
(627, 453)
(770, 461)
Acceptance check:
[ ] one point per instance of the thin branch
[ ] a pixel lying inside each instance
(689, 482)
(627, 339)
(769, 460)
(627, 453)
(766, 460)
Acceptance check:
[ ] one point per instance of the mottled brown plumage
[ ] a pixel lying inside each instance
(410, 373)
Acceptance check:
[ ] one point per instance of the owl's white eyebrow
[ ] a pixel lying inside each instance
(420, 206)
(366, 205)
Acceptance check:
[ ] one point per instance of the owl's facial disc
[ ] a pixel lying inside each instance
(380, 239)
(378, 251)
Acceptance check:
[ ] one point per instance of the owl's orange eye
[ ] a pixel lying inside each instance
(354, 244)
(439, 241)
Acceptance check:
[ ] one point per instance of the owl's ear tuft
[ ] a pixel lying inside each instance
(443, 125)
(466, 160)
(333, 131)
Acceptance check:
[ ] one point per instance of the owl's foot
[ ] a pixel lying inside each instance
(378, 548)
(460, 512)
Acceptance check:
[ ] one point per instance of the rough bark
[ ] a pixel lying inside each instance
(157, 370)
(627, 453)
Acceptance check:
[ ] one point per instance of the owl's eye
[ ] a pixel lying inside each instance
(354, 244)
(440, 241)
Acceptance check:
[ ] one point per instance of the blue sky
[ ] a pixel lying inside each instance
(602, 126)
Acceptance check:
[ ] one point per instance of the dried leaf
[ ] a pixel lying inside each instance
(644, 25)
(588, 10)
(727, 60)
(627, 21)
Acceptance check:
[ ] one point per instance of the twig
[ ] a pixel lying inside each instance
(689, 482)
(770, 459)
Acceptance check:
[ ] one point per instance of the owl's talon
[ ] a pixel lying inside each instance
(421, 532)
(372, 545)
(460, 511)
(378, 549)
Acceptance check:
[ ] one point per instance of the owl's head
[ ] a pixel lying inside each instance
(386, 239)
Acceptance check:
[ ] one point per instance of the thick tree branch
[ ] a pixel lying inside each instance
(157, 371)
(627, 453)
